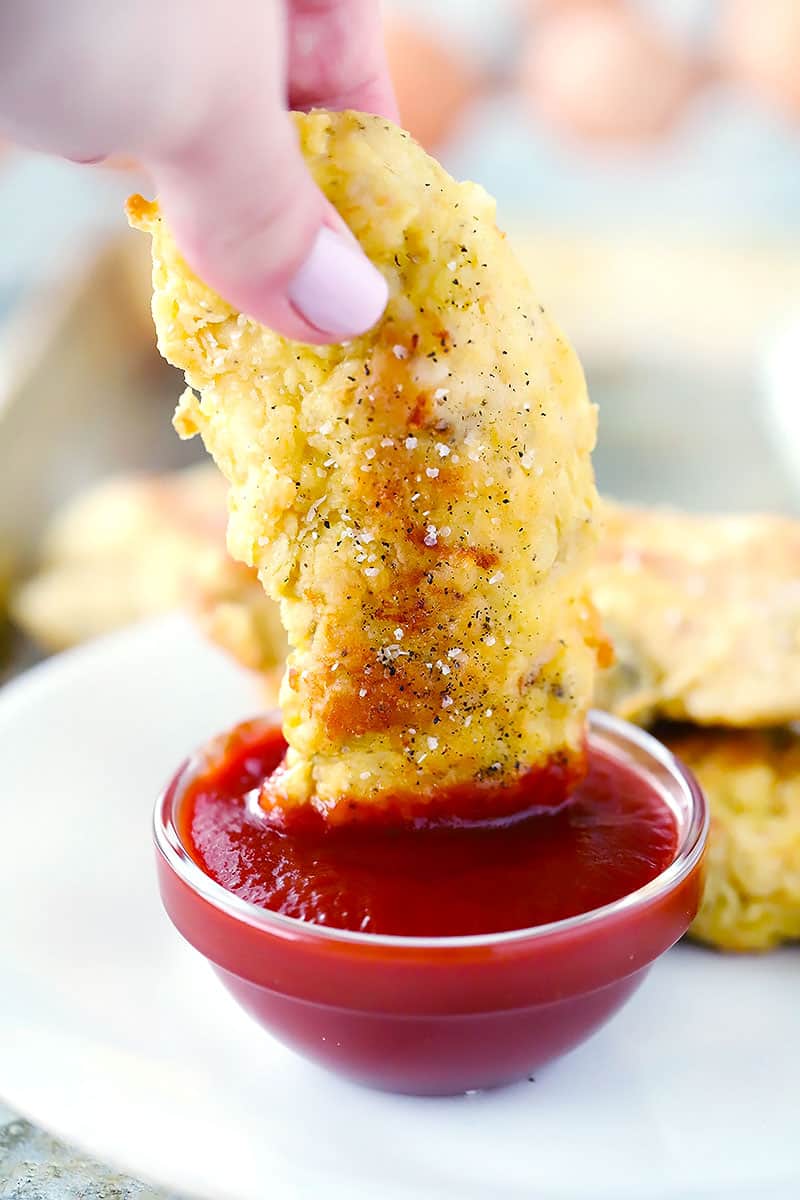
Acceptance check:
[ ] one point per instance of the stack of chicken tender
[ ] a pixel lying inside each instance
(704, 615)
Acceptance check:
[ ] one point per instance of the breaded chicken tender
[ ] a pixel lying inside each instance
(752, 782)
(704, 616)
(135, 545)
(420, 500)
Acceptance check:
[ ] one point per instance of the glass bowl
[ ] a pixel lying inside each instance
(438, 1016)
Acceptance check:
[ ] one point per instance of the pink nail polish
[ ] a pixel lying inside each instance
(337, 289)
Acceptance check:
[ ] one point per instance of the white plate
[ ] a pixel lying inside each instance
(115, 1035)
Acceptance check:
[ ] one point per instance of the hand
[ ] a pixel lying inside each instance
(199, 91)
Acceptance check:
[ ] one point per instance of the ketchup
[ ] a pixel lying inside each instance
(610, 837)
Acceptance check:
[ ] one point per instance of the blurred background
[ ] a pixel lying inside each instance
(645, 155)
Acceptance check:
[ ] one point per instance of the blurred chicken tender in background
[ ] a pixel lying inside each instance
(752, 782)
(420, 500)
(137, 545)
(704, 615)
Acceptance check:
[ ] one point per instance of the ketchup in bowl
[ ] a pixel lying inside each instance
(609, 838)
(440, 958)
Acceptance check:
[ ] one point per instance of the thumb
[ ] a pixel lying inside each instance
(252, 223)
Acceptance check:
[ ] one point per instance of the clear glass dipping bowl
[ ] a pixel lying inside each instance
(438, 1016)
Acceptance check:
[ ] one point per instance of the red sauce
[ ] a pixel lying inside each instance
(613, 835)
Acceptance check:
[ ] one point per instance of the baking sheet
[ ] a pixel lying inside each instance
(83, 394)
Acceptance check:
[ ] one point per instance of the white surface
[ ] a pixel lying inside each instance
(114, 1034)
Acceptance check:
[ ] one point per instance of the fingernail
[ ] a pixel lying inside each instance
(337, 289)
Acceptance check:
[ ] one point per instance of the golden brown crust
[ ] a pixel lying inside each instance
(420, 500)
(140, 212)
(704, 615)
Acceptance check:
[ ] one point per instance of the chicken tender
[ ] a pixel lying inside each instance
(704, 616)
(136, 545)
(752, 782)
(420, 500)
